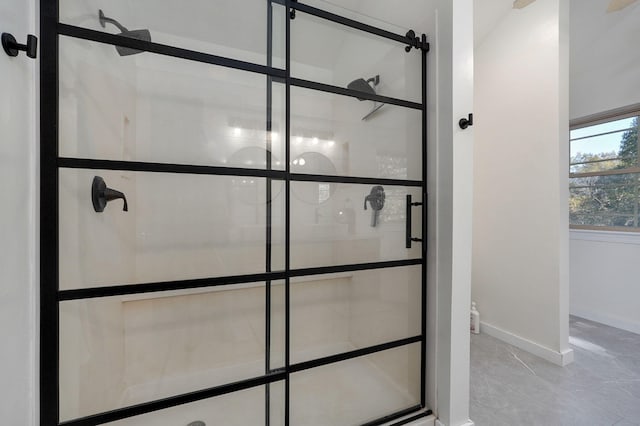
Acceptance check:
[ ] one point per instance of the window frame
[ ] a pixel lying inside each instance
(594, 120)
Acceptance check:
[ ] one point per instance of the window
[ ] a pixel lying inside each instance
(604, 175)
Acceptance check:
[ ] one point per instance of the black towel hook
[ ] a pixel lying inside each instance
(12, 47)
(466, 122)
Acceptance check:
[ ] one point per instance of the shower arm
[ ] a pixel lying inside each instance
(103, 20)
(375, 80)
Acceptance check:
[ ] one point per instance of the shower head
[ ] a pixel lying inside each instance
(144, 35)
(362, 85)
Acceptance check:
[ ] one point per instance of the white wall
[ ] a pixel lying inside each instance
(450, 180)
(520, 244)
(18, 266)
(604, 277)
(604, 58)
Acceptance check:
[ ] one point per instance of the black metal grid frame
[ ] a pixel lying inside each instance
(50, 295)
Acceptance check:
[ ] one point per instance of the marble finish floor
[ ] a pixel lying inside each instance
(601, 387)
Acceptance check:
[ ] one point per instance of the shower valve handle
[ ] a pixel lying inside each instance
(376, 198)
(101, 195)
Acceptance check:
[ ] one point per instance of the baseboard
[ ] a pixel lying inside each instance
(559, 358)
(467, 423)
(612, 321)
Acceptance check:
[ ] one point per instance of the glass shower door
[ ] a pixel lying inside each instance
(227, 234)
(355, 295)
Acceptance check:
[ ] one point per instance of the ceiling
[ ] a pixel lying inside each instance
(487, 14)
(591, 27)
(597, 37)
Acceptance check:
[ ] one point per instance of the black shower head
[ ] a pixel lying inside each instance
(362, 85)
(144, 35)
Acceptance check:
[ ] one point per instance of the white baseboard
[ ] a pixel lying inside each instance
(467, 423)
(559, 358)
(632, 326)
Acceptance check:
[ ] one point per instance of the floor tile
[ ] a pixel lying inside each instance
(601, 387)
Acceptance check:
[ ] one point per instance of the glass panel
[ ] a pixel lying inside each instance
(610, 126)
(178, 227)
(338, 55)
(337, 313)
(595, 163)
(358, 12)
(161, 109)
(330, 137)
(218, 27)
(606, 146)
(618, 150)
(277, 225)
(329, 225)
(124, 350)
(605, 200)
(358, 390)
(230, 409)
(278, 330)
(276, 404)
(279, 35)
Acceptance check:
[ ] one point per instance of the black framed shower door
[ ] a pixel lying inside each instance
(245, 271)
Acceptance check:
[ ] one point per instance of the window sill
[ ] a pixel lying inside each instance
(605, 236)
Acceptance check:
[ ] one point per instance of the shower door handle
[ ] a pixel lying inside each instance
(408, 237)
